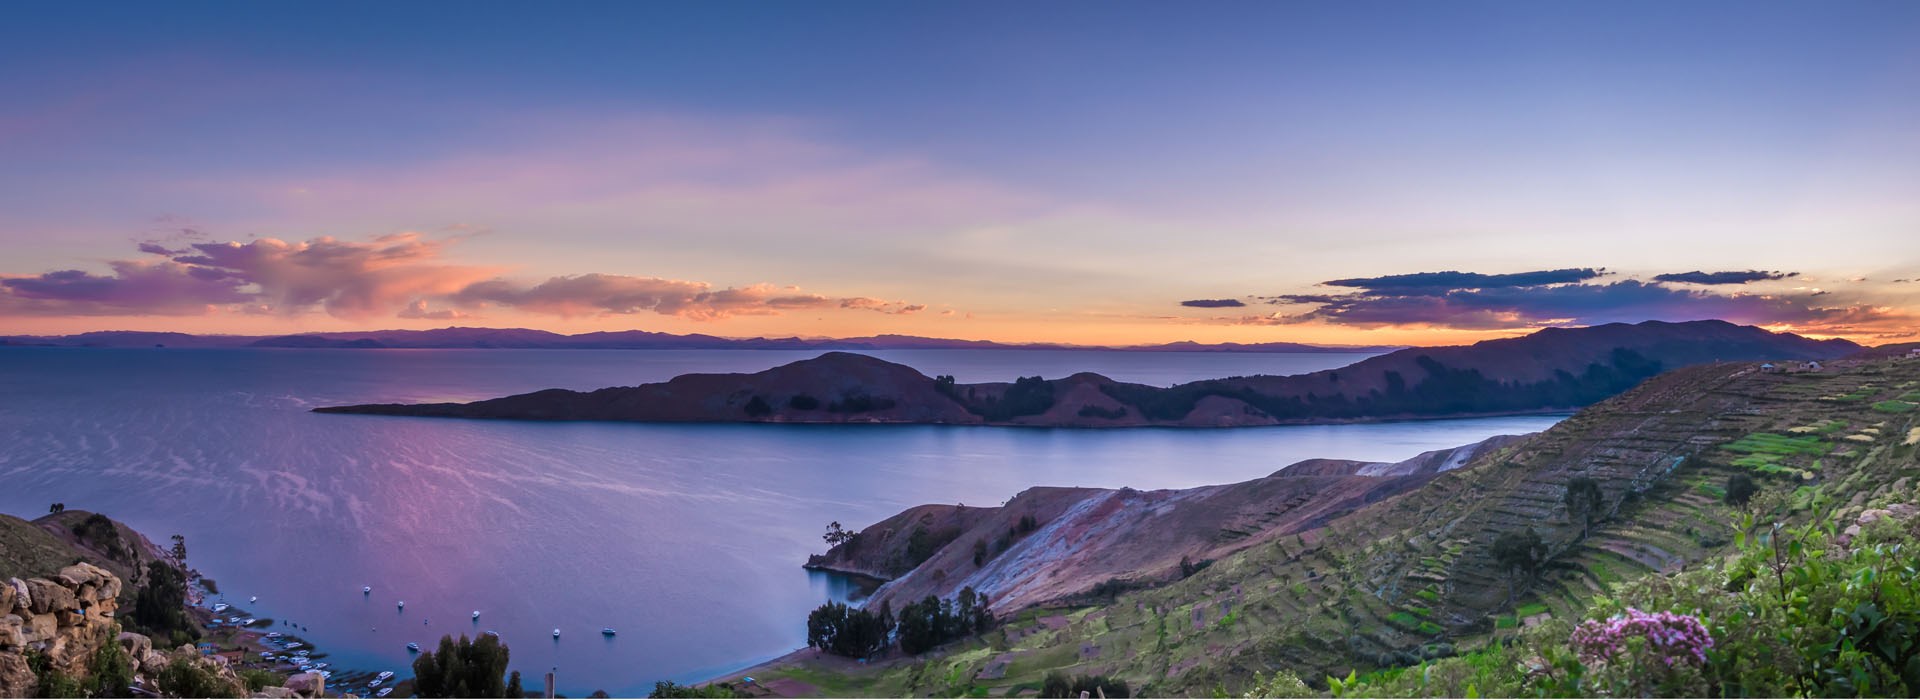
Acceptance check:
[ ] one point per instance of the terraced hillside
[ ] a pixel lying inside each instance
(1417, 576)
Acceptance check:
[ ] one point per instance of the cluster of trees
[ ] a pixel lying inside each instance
(757, 407)
(837, 628)
(1444, 390)
(1520, 555)
(934, 621)
(467, 668)
(1060, 685)
(160, 604)
(56, 508)
(859, 402)
(923, 543)
(838, 535)
(670, 689)
(1029, 396)
(1585, 503)
(99, 532)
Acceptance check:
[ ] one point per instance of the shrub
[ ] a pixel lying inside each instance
(803, 402)
(757, 407)
(183, 678)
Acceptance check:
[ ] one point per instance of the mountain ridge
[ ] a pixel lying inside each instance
(1551, 370)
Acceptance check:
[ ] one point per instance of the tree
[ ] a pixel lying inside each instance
(1583, 500)
(979, 552)
(1740, 489)
(838, 628)
(159, 607)
(757, 407)
(514, 689)
(180, 550)
(468, 668)
(1519, 554)
(183, 678)
(837, 535)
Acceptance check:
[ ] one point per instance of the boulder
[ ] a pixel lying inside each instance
(6, 599)
(21, 599)
(136, 645)
(49, 596)
(152, 662)
(274, 691)
(12, 636)
(307, 685)
(40, 628)
(16, 680)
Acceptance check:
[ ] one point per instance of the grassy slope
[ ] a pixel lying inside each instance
(1407, 575)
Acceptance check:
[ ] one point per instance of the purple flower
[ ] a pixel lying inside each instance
(1674, 638)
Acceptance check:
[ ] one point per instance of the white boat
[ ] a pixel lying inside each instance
(254, 599)
(491, 633)
(233, 620)
(366, 589)
(294, 645)
(220, 607)
(383, 692)
(413, 646)
(373, 684)
(384, 675)
(266, 655)
(476, 614)
(556, 633)
(607, 631)
(403, 605)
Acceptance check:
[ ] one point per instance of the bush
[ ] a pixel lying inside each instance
(1740, 489)
(255, 679)
(99, 532)
(757, 407)
(803, 402)
(669, 689)
(1059, 685)
(186, 679)
(837, 628)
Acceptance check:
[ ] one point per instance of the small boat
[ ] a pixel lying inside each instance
(491, 633)
(266, 655)
(366, 590)
(322, 664)
(233, 620)
(383, 692)
(384, 675)
(476, 614)
(608, 631)
(413, 646)
(254, 599)
(403, 605)
(556, 633)
(373, 684)
(295, 645)
(220, 607)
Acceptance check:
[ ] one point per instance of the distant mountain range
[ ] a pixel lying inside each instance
(529, 339)
(1552, 369)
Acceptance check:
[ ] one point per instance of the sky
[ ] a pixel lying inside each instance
(1085, 172)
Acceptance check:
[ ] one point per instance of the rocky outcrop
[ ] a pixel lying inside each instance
(68, 618)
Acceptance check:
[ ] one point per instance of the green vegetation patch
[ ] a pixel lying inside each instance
(1430, 629)
(1776, 444)
(1428, 594)
(1895, 406)
(1404, 620)
(1529, 610)
(1506, 622)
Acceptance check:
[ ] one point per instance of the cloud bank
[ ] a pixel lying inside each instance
(1480, 302)
(403, 275)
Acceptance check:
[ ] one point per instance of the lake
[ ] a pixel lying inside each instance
(688, 539)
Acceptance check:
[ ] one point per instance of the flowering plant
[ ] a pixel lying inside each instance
(1639, 653)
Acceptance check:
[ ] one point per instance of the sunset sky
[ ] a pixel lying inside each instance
(1106, 172)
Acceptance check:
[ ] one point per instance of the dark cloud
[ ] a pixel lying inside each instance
(1429, 283)
(135, 287)
(1729, 277)
(1629, 301)
(1213, 303)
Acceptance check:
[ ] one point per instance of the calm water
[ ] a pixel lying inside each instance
(686, 538)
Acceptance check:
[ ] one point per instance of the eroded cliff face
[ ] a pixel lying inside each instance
(68, 618)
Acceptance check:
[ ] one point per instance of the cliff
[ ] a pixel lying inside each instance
(69, 613)
(1050, 545)
(1553, 369)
